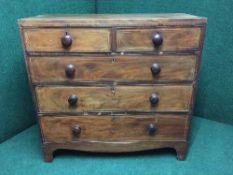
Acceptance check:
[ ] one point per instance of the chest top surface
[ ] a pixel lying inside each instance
(108, 20)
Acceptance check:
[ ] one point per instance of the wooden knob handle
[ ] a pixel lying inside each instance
(70, 70)
(154, 98)
(66, 40)
(155, 68)
(157, 39)
(76, 129)
(72, 100)
(151, 128)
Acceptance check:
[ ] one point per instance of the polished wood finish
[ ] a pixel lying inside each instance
(113, 83)
(110, 128)
(173, 39)
(83, 40)
(135, 67)
(121, 98)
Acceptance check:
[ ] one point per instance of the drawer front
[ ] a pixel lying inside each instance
(108, 128)
(121, 98)
(83, 40)
(135, 68)
(175, 39)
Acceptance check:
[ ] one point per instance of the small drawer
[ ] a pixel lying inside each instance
(67, 40)
(164, 39)
(109, 128)
(120, 68)
(119, 98)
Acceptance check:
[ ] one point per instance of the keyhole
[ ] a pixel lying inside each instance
(113, 60)
(113, 89)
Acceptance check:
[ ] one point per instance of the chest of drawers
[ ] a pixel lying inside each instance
(113, 83)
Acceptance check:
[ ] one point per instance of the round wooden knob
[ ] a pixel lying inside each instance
(155, 68)
(76, 129)
(72, 100)
(66, 40)
(157, 39)
(151, 128)
(70, 70)
(154, 98)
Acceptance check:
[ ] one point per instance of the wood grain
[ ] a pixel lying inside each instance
(108, 128)
(135, 68)
(173, 39)
(84, 40)
(123, 98)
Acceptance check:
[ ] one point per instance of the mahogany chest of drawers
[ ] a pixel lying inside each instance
(113, 83)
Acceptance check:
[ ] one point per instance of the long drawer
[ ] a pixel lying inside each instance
(74, 40)
(108, 128)
(119, 98)
(120, 68)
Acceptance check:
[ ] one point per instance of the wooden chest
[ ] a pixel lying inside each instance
(113, 83)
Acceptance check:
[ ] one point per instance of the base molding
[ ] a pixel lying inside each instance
(114, 147)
